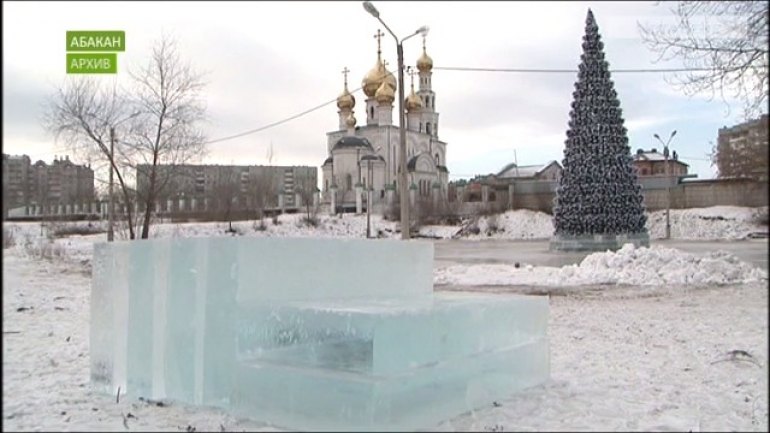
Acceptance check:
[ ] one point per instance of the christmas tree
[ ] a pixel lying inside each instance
(598, 192)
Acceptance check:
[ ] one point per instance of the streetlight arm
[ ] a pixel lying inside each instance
(388, 29)
(417, 32)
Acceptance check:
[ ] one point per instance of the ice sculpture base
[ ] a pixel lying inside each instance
(316, 334)
(597, 242)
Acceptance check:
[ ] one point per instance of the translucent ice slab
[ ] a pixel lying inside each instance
(306, 333)
(387, 365)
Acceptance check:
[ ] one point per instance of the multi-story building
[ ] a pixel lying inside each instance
(653, 163)
(17, 179)
(240, 182)
(742, 150)
(61, 182)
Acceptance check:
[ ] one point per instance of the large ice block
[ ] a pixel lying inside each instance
(306, 333)
(387, 365)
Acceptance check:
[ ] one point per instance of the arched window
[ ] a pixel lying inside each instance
(348, 182)
(371, 112)
(427, 127)
(438, 161)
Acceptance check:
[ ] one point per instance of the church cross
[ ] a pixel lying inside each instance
(345, 73)
(378, 36)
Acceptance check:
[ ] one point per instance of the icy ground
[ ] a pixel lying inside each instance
(632, 348)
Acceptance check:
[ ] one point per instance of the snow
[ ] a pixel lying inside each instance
(644, 338)
(713, 223)
(655, 266)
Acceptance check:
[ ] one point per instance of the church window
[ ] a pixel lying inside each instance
(348, 182)
(371, 112)
(427, 127)
(438, 161)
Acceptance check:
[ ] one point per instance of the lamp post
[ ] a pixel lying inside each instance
(668, 180)
(369, 190)
(403, 187)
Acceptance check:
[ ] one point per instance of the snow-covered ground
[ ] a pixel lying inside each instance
(683, 348)
(713, 223)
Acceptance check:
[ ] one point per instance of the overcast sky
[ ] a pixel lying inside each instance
(265, 61)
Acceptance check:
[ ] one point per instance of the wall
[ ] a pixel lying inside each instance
(701, 193)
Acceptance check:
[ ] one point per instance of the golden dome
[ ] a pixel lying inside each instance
(424, 63)
(346, 100)
(350, 121)
(390, 80)
(385, 94)
(373, 79)
(412, 102)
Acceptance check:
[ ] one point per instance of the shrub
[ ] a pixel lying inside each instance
(44, 249)
(311, 221)
(64, 230)
(9, 239)
(260, 225)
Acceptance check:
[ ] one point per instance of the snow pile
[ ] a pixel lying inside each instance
(628, 266)
(659, 266)
(711, 223)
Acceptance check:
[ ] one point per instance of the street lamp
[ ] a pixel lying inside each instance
(369, 190)
(403, 187)
(668, 181)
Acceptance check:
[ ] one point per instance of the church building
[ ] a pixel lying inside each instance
(367, 156)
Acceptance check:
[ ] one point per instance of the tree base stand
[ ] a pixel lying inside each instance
(600, 242)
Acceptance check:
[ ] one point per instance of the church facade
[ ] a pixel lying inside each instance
(367, 156)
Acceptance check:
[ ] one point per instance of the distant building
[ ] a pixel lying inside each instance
(653, 163)
(17, 180)
(742, 150)
(62, 182)
(549, 171)
(240, 182)
(368, 155)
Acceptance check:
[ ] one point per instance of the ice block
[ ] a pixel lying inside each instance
(306, 333)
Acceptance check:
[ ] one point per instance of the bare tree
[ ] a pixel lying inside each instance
(726, 45)
(262, 190)
(307, 188)
(224, 192)
(165, 129)
(83, 112)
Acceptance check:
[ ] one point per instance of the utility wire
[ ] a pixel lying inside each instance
(450, 68)
(561, 71)
(262, 128)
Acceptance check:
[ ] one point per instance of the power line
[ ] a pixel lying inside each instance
(448, 68)
(562, 71)
(262, 128)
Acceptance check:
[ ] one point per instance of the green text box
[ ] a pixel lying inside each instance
(92, 63)
(92, 40)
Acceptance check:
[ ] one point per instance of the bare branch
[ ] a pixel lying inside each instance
(728, 38)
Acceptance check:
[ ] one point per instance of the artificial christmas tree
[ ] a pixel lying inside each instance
(598, 203)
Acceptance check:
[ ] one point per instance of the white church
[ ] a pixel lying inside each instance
(366, 157)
